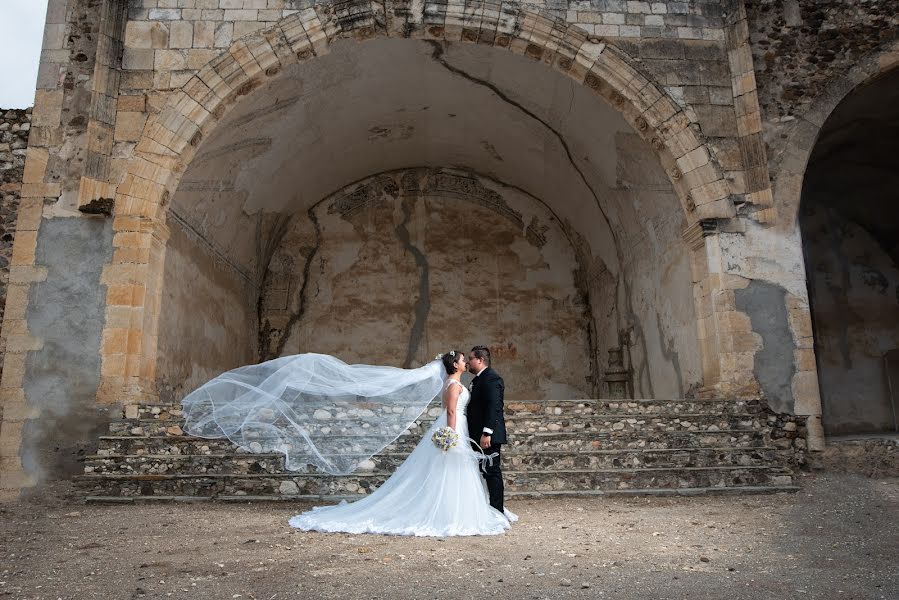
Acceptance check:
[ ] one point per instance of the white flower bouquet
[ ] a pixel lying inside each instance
(445, 438)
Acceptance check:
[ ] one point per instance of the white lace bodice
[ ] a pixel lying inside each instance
(464, 397)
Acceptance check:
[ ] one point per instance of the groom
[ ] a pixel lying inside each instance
(485, 418)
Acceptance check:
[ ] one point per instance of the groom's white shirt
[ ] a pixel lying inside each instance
(487, 430)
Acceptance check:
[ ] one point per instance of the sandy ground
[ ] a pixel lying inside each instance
(837, 538)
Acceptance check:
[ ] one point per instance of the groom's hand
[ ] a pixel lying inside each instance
(485, 441)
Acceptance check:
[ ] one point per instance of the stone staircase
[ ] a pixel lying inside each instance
(559, 447)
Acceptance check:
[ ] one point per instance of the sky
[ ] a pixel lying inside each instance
(21, 35)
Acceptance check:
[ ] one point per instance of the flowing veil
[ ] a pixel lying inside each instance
(315, 409)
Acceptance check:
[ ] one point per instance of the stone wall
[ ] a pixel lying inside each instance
(15, 125)
(800, 46)
(807, 55)
(854, 285)
(208, 315)
(405, 265)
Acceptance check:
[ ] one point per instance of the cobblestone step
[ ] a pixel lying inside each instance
(516, 481)
(515, 425)
(588, 459)
(334, 499)
(570, 408)
(569, 441)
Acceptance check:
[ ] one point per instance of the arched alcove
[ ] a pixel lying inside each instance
(519, 144)
(849, 218)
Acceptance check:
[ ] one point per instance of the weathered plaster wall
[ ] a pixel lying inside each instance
(208, 317)
(15, 125)
(850, 229)
(407, 264)
(854, 286)
(654, 297)
(62, 372)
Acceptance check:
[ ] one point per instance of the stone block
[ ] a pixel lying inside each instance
(224, 34)
(129, 126)
(47, 108)
(23, 248)
(244, 28)
(16, 301)
(722, 96)
(181, 34)
(35, 165)
(716, 121)
(703, 50)
(132, 103)
(164, 14)
(806, 393)
(138, 59)
(696, 94)
(606, 30)
(146, 34)
(204, 34)
(240, 15)
(693, 160)
(638, 7)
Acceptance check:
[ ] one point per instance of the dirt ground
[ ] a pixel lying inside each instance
(837, 538)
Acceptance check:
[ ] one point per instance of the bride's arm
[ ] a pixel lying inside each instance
(450, 398)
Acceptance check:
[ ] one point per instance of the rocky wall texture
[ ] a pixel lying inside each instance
(800, 46)
(408, 264)
(15, 125)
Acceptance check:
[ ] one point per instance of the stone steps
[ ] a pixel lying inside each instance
(561, 447)
(563, 440)
(570, 408)
(315, 484)
(248, 463)
(334, 499)
(517, 425)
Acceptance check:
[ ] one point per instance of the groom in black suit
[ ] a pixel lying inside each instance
(485, 418)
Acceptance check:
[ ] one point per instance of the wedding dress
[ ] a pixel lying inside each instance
(433, 493)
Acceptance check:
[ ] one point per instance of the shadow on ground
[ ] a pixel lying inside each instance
(837, 538)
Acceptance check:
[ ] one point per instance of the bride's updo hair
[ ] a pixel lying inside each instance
(449, 361)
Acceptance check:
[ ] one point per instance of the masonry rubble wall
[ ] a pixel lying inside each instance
(15, 125)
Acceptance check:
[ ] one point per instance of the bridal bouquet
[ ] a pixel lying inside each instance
(445, 438)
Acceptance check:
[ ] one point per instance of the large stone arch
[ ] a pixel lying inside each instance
(789, 165)
(847, 220)
(171, 137)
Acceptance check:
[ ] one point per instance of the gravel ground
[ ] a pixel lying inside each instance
(837, 538)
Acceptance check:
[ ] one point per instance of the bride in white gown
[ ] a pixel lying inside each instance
(433, 493)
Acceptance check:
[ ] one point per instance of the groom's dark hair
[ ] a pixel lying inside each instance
(482, 352)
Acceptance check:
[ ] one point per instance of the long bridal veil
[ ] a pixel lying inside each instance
(315, 409)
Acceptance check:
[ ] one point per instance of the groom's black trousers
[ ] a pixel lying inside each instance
(493, 475)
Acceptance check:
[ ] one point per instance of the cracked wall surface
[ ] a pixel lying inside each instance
(416, 262)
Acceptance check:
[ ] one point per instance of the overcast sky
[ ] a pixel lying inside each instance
(21, 34)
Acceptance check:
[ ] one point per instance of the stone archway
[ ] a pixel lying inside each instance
(790, 164)
(172, 137)
(848, 219)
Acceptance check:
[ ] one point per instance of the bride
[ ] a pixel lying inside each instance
(282, 405)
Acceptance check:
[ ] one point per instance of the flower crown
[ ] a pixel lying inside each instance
(440, 356)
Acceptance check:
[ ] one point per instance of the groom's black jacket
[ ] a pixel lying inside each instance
(485, 409)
